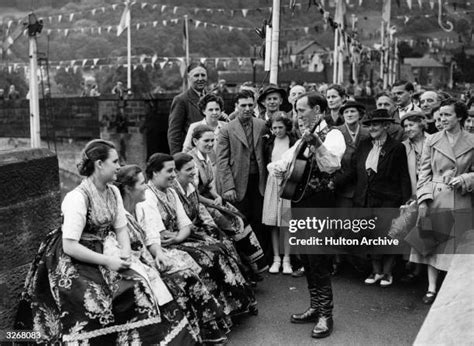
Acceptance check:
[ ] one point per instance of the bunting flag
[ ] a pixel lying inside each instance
(14, 36)
(124, 20)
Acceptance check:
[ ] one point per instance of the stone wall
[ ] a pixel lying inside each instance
(29, 209)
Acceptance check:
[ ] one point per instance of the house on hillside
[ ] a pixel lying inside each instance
(307, 55)
(427, 71)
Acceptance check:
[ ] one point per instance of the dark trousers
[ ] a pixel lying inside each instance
(252, 207)
(318, 267)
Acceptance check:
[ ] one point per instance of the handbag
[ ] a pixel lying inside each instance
(430, 233)
(404, 223)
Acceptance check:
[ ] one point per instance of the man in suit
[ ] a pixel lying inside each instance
(184, 108)
(240, 167)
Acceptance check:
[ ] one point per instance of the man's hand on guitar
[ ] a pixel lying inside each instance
(311, 139)
(230, 196)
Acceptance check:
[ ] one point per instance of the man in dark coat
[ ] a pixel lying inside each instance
(184, 108)
(241, 169)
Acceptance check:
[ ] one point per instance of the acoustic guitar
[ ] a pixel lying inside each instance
(295, 173)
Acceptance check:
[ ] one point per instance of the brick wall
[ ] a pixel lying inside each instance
(29, 208)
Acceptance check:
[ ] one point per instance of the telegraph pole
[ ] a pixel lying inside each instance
(34, 27)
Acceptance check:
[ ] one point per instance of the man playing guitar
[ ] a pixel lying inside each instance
(323, 151)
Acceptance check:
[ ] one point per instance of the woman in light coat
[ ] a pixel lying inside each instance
(445, 182)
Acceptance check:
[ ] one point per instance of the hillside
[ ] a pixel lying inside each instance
(158, 30)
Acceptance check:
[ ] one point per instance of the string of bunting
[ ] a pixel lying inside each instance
(197, 24)
(243, 11)
(143, 60)
(146, 6)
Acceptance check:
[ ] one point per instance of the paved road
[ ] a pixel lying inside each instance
(363, 315)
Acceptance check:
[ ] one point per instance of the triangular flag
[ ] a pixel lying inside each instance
(165, 23)
(114, 7)
(196, 10)
(95, 61)
(9, 24)
(432, 4)
(306, 30)
(73, 62)
(144, 4)
(124, 21)
(245, 12)
(230, 28)
(93, 11)
(163, 8)
(138, 26)
(409, 4)
(109, 28)
(99, 30)
(175, 9)
(103, 9)
(197, 22)
(155, 23)
(420, 3)
(406, 19)
(48, 32)
(153, 59)
(154, 6)
(66, 32)
(142, 58)
(216, 62)
(84, 62)
(71, 17)
(203, 60)
(60, 17)
(162, 64)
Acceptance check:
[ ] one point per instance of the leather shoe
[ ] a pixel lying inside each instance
(310, 315)
(323, 328)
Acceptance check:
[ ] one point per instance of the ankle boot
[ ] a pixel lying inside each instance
(323, 327)
(311, 314)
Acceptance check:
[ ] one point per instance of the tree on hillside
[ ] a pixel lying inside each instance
(69, 82)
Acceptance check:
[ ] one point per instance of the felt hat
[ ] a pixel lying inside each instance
(378, 115)
(272, 88)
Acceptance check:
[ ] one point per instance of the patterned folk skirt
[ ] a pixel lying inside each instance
(67, 300)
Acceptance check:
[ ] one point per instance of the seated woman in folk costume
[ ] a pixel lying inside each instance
(84, 285)
(225, 215)
(163, 213)
(177, 268)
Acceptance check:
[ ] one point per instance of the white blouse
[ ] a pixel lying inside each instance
(74, 210)
(149, 217)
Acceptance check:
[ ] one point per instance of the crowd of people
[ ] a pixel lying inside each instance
(171, 254)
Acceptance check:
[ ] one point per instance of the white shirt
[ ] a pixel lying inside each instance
(408, 108)
(74, 210)
(149, 217)
(328, 155)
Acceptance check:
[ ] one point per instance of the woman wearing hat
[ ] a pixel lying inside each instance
(353, 133)
(382, 181)
(414, 125)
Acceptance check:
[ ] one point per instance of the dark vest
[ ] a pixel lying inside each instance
(314, 180)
